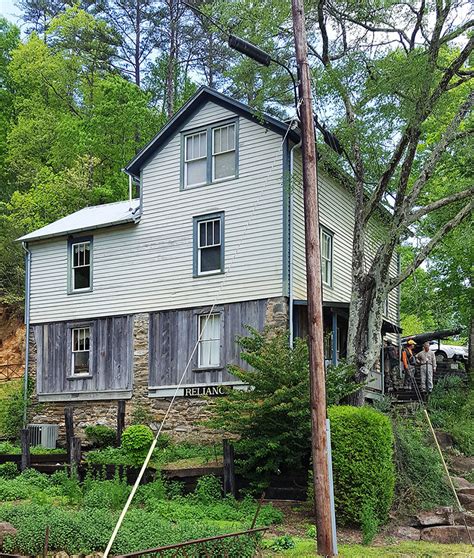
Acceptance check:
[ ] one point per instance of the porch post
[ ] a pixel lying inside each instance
(334, 337)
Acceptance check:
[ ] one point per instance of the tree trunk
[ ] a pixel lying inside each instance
(364, 339)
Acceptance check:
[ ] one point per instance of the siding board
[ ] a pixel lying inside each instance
(160, 247)
(166, 370)
(111, 358)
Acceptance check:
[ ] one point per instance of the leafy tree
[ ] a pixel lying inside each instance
(272, 419)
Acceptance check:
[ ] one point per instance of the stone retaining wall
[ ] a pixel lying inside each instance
(183, 422)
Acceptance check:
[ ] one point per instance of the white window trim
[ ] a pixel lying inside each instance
(186, 161)
(323, 231)
(200, 248)
(74, 352)
(203, 318)
(213, 154)
(74, 267)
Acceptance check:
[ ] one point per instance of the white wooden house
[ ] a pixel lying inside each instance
(118, 292)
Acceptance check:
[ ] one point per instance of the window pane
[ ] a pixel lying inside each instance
(81, 362)
(224, 139)
(209, 345)
(202, 234)
(224, 165)
(82, 278)
(210, 259)
(196, 146)
(217, 232)
(87, 254)
(210, 233)
(196, 172)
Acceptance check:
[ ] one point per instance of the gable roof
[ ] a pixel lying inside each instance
(89, 218)
(203, 95)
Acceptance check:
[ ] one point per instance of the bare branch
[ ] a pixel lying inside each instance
(459, 31)
(438, 204)
(429, 247)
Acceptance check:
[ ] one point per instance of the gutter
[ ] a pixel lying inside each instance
(290, 247)
(27, 324)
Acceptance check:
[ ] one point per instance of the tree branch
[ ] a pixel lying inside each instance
(438, 204)
(428, 248)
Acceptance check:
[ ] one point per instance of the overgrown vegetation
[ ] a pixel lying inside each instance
(364, 474)
(421, 480)
(11, 408)
(272, 420)
(451, 408)
(101, 436)
(82, 516)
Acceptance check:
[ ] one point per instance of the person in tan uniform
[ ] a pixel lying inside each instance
(427, 361)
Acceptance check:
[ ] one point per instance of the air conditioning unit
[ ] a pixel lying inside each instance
(44, 435)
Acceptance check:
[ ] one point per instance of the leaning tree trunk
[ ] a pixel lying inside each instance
(364, 338)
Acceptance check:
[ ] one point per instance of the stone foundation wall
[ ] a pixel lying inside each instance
(183, 421)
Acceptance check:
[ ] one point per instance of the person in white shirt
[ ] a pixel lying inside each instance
(427, 361)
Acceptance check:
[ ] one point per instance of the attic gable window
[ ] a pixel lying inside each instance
(80, 265)
(210, 155)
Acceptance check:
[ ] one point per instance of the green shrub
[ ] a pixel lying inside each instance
(369, 523)
(10, 448)
(451, 408)
(285, 542)
(8, 470)
(208, 489)
(11, 409)
(108, 494)
(86, 531)
(272, 420)
(362, 453)
(136, 441)
(421, 481)
(101, 436)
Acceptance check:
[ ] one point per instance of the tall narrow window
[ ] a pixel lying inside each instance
(223, 152)
(326, 257)
(209, 341)
(209, 257)
(81, 350)
(81, 277)
(195, 159)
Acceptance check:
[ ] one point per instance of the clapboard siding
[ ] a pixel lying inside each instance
(149, 266)
(336, 213)
(173, 335)
(111, 358)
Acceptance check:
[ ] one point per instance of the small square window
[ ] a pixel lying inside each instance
(80, 259)
(80, 354)
(209, 332)
(208, 248)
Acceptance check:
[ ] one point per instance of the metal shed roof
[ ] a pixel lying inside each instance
(94, 217)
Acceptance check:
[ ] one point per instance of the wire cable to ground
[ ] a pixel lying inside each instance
(208, 315)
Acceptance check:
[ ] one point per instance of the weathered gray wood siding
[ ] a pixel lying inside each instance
(336, 213)
(111, 360)
(149, 266)
(174, 333)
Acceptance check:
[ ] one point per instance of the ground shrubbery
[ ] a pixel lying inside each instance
(272, 420)
(421, 480)
(81, 517)
(364, 473)
(11, 409)
(101, 436)
(451, 408)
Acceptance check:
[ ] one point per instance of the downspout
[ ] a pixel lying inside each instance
(290, 247)
(27, 325)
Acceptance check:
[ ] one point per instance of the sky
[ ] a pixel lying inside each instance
(9, 10)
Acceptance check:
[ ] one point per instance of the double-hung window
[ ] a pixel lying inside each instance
(80, 261)
(209, 244)
(209, 346)
(81, 347)
(210, 155)
(326, 256)
(195, 159)
(223, 152)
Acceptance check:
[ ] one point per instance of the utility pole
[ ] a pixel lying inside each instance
(314, 291)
